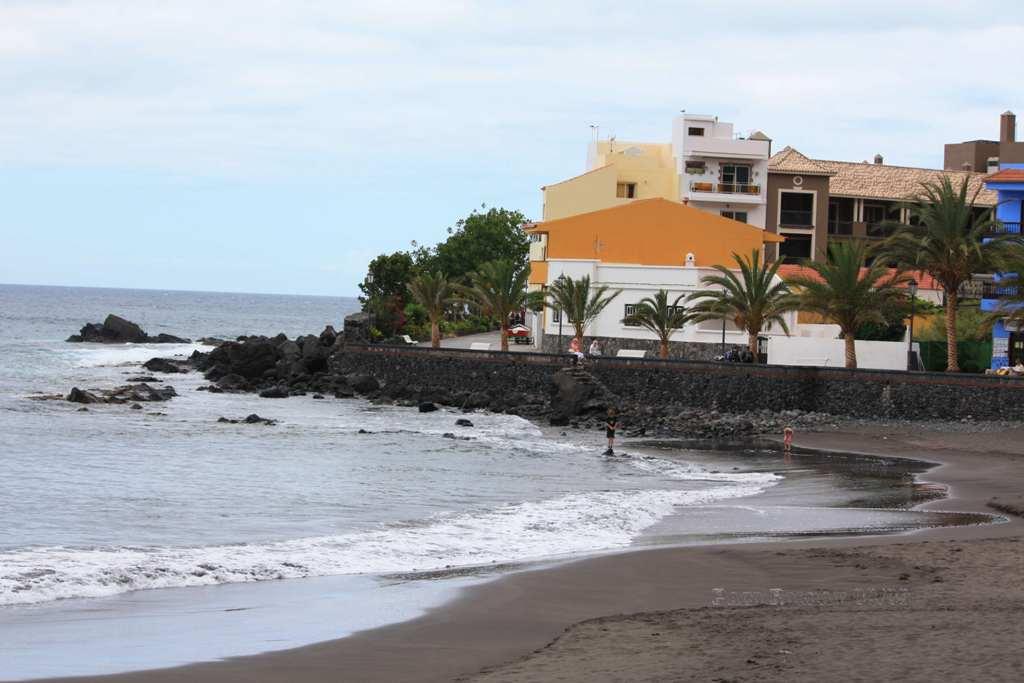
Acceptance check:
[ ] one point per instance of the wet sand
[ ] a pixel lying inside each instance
(940, 603)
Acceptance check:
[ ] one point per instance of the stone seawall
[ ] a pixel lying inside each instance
(488, 379)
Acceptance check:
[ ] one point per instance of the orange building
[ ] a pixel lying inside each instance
(639, 248)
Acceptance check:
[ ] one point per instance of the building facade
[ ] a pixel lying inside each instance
(705, 165)
(639, 248)
(815, 201)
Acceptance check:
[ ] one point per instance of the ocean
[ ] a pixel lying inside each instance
(100, 508)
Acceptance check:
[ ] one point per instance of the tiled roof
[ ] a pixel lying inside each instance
(1007, 175)
(924, 280)
(898, 183)
(789, 160)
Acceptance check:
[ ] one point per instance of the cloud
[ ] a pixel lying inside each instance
(270, 87)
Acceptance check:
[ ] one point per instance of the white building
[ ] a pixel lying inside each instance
(719, 171)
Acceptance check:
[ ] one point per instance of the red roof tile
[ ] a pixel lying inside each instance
(924, 280)
(1007, 175)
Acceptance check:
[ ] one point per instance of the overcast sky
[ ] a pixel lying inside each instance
(277, 146)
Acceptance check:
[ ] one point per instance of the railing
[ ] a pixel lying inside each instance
(995, 290)
(1004, 228)
(725, 188)
(840, 227)
(973, 289)
(796, 218)
(739, 188)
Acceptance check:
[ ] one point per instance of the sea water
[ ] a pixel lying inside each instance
(99, 508)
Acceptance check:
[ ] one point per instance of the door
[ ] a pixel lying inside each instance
(1015, 349)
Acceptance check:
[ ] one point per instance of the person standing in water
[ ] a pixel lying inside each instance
(610, 425)
(787, 440)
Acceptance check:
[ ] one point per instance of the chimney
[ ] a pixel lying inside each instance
(879, 159)
(1008, 127)
(966, 166)
(993, 165)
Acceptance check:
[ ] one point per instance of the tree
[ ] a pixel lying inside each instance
(752, 299)
(945, 240)
(495, 235)
(579, 302)
(843, 292)
(434, 292)
(386, 277)
(498, 289)
(658, 316)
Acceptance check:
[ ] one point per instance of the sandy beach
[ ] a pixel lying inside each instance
(940, 603)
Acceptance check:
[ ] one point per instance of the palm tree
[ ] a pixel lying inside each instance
(498, 289)
(435, 293)
(579, 302)
(752, 299)
(845, 293)
(945, 241)
(660, 317)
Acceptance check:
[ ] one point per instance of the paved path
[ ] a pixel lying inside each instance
(492, 338)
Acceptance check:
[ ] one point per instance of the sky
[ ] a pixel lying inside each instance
(278, 145)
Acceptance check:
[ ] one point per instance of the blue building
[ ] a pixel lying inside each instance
(1008, 182)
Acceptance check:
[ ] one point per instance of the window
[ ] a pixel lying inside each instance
(796, 248)
(796, 209)
(840, 216)
(738, 174)
(875, 215)
(628, 310)
(696, 131)
(625, 190)
(740, 216)
(536, 237)
(556, 315)
(696, 167)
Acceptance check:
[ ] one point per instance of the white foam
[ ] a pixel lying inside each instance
(105, 355)
(572, 524)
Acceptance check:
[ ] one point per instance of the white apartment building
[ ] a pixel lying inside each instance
(721, 172)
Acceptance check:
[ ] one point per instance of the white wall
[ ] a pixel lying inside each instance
(636, 283)
(823, 352)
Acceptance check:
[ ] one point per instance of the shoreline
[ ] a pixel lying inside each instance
(507, 619)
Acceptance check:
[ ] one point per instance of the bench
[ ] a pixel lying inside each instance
(409, 340)
(630, 353)
(480, 346)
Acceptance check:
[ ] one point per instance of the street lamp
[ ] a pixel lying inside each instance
(912, 288)
(369, 329)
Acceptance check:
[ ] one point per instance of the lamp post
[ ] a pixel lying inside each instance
(912, 288)
(369, 330)
(560, 314)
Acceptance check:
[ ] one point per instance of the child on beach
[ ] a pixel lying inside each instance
(787, 440)
(610, 426)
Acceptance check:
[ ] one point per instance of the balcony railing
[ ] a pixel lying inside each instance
(725, 188)
(739, 188)
(840, 227)
(995, 290)
(1004, 228)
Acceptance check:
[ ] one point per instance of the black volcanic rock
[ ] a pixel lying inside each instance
(275, 392)
(136, 393)
(116, 330)
(165, 365)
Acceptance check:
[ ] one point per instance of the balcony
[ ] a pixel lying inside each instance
(841, 228)
(1004, 228)
(726, 192)
(794, 218)
(995, 290)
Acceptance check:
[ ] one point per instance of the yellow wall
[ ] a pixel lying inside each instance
(650, 166)
(653, 232)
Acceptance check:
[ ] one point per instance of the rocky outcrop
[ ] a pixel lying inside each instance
(168, 365)
(252, 419)
(134, 393)
(575, 392)
(117, 330)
